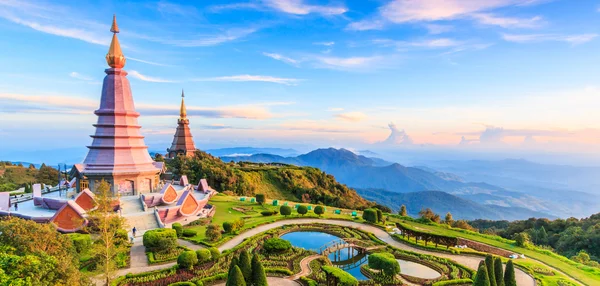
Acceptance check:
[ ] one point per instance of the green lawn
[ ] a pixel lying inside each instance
(585, 274)
(252, 218)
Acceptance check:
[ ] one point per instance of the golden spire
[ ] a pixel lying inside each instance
(115, 57)
(182, 111)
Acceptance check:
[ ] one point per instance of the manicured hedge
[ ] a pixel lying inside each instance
(203, 255)
(81, 242)
(370, 215)
(343, 278)
(276, 244)
(189, 233)
(187, 259)
(178, 229)
(160, 239)
(453, 282)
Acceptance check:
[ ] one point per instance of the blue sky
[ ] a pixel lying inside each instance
(504, 74)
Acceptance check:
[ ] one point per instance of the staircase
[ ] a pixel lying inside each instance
(133, 211)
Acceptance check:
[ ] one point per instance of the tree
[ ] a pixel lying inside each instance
(203, 255)
(235, 277)
(542, 236)
(489, 263)
(319, 210)
(213, 232)
(37, 251)
(245, 267)
(430, 215)
(302, 209)
(259, 278)
(228, 227)
(187, 259)
(306, 198)
(522, 239)
(260, 198)
(286, 210)
(448, 219)
(402, 211)
(482, 278)
(509, 274)
(47, 175)
(370, 215)
(107, 226)
(498, 272)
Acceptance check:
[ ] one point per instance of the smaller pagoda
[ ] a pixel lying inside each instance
(183, 144)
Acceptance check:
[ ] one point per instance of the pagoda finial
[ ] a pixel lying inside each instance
(115, 57)
(182, 111)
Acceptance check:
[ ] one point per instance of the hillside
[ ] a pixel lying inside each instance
(441, 203)
(358, 171)
(274, 180)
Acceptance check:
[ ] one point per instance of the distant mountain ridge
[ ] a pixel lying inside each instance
(362, 172)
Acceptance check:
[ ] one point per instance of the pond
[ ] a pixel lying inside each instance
(349, 259)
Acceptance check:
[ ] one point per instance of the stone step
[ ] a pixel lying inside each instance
(131, 204)
(142, 222)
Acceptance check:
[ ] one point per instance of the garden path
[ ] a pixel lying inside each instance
(472, 262)
(304, 267)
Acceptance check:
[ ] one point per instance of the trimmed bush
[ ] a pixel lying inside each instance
(235, 277)
(245, 267)
(203, 255)
(482, 278)
(285, 210)
(302, 209)
(342, 277)
(214, 253)
(189, 233)
(213, 232)
(160, 239)
(81, 242)
(182, 284)
(319, 210)
(228, 227)
(509, 274)
(498, 272)
(489, 263)
(187, 259)
(260, 198)
(259, 277)
(178, 229)
(453, 282)
(370, 215)
(268, 213)
(385, 262)
(276, 244)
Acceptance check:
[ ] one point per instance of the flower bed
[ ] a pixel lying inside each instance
(163, 257)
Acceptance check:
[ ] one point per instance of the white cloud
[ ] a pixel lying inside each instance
(327, 44)
(298, 7)
(354, 116)
(533, 38)
(258, 78)
(233, 6)
(507, 22)
(335, 109)
(147, 62)
(401, 11)
(352, 63)
(213, 40)
(366, 25)
(281, 58)
(429, 43)
(80, 76)
(435, 29)
(142, 77)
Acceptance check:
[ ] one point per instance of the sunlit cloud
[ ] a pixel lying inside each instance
(366, 25)
(435, 29)
(253, 78)
(508, 22)
(147, 62)
(281, 58)
(80, 76)
(214, 39)
(351, 63)
(352, 116)
(534, 38)
(298, 7)
(142, 77)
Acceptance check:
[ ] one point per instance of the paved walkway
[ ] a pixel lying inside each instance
(470, 261)
(304, 267)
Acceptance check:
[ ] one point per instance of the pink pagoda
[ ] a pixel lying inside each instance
(182, 141)
(118, 153)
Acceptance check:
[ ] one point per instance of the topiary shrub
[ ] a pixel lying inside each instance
(178, 229)
(370, 215)
(228, 227)
(285, 210)
(187, 259)
(183, 284)
(302, 209)
(213, 232)
(342, 277)
(268, 213)
(319, 210)
(81, 242)
(214, 253)
(276, 245)
(189, 233)
(385, 262)
(260, 198)
(259, 277)
(161, 239)
(203, 255)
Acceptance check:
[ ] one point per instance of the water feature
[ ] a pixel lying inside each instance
(349, 259)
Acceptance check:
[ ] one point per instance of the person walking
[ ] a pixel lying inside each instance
(134, 230)
(16, 207)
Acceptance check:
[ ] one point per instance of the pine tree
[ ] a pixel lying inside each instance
(542, 236)
(402, 210)
(489, 263)
(245, 267)
(509, 275)
(482, 278)
(499, 272)
(259, 278)
(235, 277)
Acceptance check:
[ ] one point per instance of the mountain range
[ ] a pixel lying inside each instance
(373, 176)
